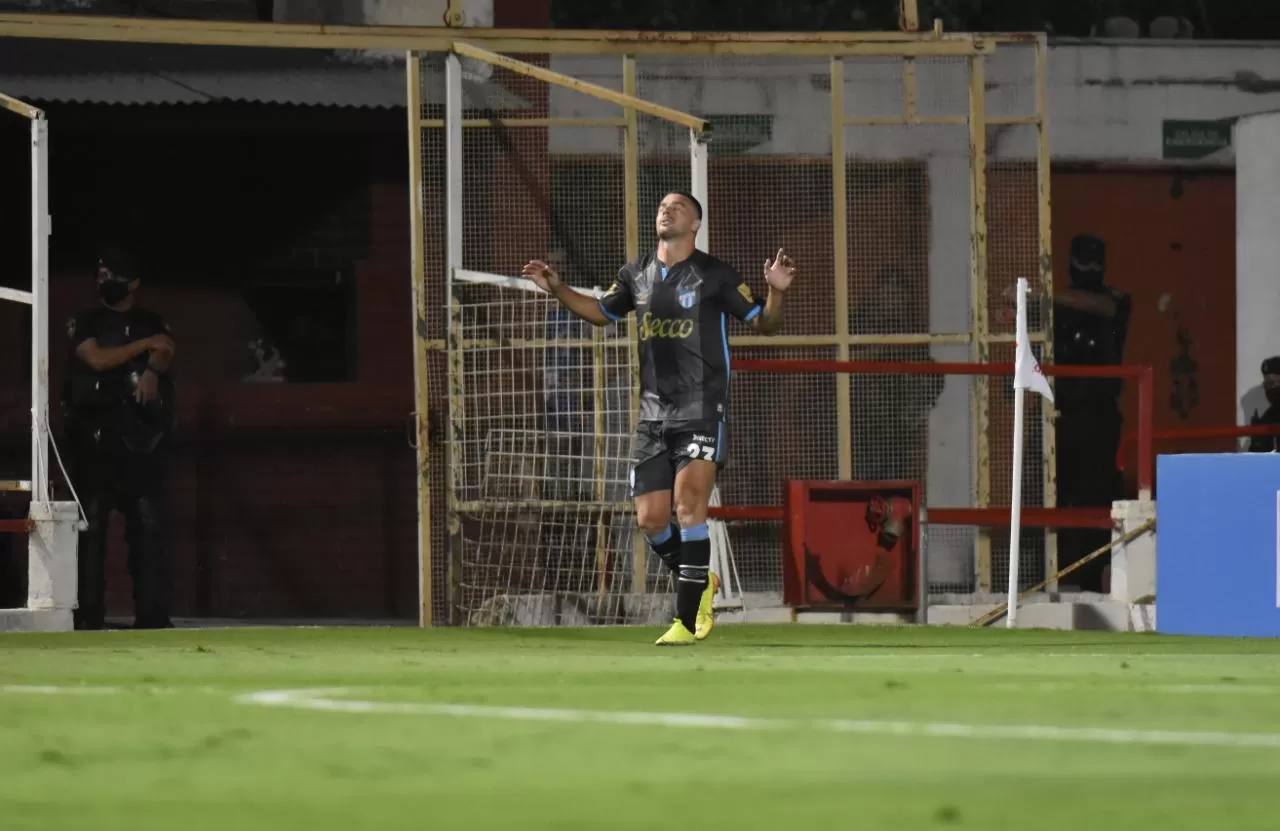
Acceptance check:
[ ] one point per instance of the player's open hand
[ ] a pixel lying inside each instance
(780, 271)
(543, 275)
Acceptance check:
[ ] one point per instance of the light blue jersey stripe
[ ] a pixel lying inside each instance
(724, 336)
(608, 313)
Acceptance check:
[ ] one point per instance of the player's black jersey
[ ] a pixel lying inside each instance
(682, 319)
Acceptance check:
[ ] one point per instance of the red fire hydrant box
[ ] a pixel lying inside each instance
(851, 546)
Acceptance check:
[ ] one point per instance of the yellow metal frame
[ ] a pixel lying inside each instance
(979, 288)
(491, 44)
(1044, 170)
(840, 238)
(421, 351)
(979, 338)
(909, 20)
(631, 106)
(631, 216)
(577, 85)
(526, 41)
(22, 108)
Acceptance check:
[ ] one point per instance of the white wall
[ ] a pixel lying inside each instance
(1257, 141)
(1108, 102)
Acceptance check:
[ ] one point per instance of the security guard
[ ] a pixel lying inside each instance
(1271, 416)
(1091, 326)
(118, 406)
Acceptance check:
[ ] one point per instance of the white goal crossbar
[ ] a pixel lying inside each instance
(462, 275)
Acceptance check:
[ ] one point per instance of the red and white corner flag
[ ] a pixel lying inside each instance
(1026, 369)
(1026, 376)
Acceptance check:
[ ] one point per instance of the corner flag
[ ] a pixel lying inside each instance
(1026, 376)
(1026, 369)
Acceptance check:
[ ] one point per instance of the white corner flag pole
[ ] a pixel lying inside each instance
(1026, 376)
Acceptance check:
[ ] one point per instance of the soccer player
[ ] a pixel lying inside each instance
(681, 297)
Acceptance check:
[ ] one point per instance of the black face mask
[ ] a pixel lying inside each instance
(1089, 280)
(113, 292)
(1273, 395)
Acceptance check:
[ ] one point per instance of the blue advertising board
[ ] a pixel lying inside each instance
(1218, 544)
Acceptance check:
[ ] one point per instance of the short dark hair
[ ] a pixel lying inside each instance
(697, 206)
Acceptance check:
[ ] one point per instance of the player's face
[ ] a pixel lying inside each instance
(676, 218)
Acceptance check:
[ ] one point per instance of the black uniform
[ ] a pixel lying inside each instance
(117, 454)
(1090, 423)
(682, 319)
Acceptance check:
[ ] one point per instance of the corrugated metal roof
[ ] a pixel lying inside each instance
(144, 74)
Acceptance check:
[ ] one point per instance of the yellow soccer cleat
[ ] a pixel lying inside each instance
(706, 612)
(677, 635)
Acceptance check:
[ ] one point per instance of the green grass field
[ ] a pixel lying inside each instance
(868, 728)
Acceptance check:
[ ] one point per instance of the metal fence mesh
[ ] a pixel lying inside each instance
(900, 281)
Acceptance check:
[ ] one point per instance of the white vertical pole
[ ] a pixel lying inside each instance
(1015, 520)
(1257, 203)
(700, 186)
(453, 171)
(39, 310)
(453, 260)
(1015, 502)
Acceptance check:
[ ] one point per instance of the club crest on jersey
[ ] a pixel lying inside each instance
(689, 299)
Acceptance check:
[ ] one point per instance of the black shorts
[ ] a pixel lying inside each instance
(662, 449)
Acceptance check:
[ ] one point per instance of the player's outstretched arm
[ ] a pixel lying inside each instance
(778, 273)
(582, 305)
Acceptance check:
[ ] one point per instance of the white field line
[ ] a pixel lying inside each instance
(1139, 688)
(38, 689)
(324, 700)
(49, 689)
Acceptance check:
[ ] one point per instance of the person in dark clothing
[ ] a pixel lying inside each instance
(1271, 416)
(1092, 323)
(118, 408)
(682, 299)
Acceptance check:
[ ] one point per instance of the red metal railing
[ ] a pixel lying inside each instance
(1142, 376)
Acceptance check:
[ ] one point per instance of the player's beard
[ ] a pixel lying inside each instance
(671, 233)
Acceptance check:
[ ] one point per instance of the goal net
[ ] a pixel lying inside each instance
(540, 431)
(542, 406)
(909, 183)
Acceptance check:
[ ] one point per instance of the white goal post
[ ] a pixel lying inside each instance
(51, 526)
(37, 298)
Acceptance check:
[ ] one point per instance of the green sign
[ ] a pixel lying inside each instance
(1196, 139)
